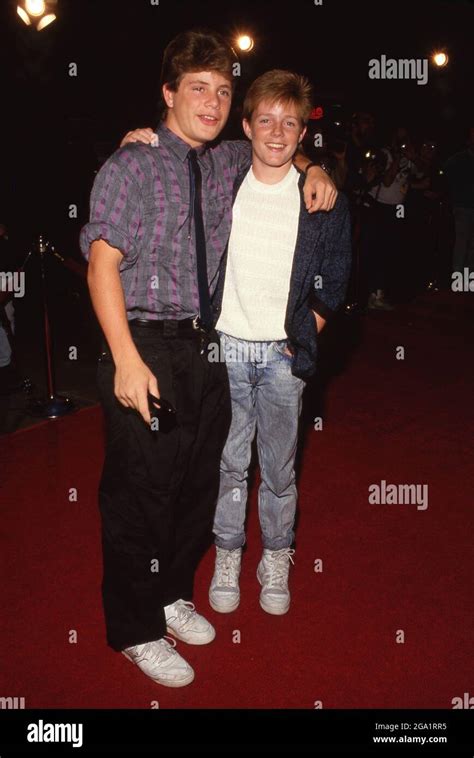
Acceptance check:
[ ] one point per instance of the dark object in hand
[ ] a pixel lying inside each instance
(165, 414)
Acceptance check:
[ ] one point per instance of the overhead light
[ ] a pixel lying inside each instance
(35, 7)
(23, 15)
(245, 43)
(45, 21)
(440, 59)
(37, 13)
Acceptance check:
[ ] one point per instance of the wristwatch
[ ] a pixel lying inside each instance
(320, 165)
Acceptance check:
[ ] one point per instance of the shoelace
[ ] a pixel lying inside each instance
(278, 570)
(153, 652)
(226, 562)
(185, 611)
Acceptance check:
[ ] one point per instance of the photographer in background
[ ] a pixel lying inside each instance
(425, 207)
(384, 239)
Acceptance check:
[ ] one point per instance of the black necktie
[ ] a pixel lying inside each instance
(201, 259)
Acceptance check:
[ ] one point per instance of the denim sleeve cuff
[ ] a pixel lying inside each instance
(102, 230)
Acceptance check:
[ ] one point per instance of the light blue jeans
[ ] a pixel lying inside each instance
(266, 398)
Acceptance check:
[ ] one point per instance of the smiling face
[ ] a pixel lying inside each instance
(199, 110)
(276, 129)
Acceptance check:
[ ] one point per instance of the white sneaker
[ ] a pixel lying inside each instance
(183, 622)
(161, 662)
(224, 592)
(272, 573)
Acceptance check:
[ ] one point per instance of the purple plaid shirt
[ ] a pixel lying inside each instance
(140, 204)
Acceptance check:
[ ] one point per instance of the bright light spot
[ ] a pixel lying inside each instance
(23, 15)
(35, 7)
(440, 59)
(46, 21)
(245, 43)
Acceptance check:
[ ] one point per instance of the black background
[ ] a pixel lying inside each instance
(56, 129)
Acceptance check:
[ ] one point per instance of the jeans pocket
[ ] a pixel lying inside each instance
(281, 347)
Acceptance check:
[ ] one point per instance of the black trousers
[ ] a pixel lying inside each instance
(158, 490)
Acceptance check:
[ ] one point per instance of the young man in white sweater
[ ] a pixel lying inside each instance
(266, 395)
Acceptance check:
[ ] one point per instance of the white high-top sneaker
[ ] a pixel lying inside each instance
(224, 593)
(187, 625)
(272, 573)
(161, 662)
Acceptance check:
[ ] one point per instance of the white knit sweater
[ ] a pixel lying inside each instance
(261, 248)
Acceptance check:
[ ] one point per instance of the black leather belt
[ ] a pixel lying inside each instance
(171, 327)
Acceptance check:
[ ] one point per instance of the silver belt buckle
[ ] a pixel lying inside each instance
(196, 323)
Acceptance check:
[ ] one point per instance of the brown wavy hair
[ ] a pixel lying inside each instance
(196, 50)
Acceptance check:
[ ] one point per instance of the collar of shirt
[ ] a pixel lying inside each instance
(177, 145)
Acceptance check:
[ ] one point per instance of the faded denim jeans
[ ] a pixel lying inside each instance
(266, 399)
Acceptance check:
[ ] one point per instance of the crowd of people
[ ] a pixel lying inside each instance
(406, 200)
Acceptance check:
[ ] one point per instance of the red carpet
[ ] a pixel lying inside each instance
(385, 567)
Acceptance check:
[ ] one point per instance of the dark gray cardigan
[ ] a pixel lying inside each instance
(323, 249)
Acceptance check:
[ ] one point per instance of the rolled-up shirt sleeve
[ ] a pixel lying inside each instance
(114, 211)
